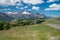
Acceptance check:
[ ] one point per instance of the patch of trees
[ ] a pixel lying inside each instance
(4, 26)
(58, 18)
(16, 22)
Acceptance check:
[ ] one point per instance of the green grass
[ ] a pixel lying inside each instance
(31, 32)
(53, 21)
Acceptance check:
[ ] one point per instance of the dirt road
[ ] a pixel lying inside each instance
(57, 26)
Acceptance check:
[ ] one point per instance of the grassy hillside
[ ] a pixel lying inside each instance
(31, 32)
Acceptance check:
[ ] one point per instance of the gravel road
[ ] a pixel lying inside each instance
(57, 26)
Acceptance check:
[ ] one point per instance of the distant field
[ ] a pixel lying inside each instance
(53, 21)
(31, 32)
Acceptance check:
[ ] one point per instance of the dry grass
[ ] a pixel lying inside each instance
(31, 32)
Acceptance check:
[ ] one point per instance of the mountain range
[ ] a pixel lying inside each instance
(4, 17)
(20, 15)
(29, 15)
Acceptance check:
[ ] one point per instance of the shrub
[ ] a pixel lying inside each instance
(58, 18)
(1, 26)
(14, 23)
(6, 26)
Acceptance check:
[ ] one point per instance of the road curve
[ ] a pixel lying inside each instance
(57, 26)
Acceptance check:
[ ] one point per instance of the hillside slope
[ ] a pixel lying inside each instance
(31, 32)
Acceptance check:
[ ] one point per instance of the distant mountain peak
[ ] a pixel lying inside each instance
(28, 15)
(11, 13)
(24, 12)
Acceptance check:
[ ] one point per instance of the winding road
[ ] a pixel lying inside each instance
(57, 26)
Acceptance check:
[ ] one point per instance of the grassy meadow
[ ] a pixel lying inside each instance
(31, 32)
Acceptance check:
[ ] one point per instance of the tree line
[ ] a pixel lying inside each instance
(16, 22)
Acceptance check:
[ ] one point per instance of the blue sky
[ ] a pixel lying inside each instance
(47, 7)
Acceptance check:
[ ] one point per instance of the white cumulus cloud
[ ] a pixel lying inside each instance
(17, 7)
(10, 2)
(35, 8)
(52, 0)
(26, 7)
(33, 1)
(53, 7)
